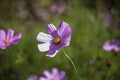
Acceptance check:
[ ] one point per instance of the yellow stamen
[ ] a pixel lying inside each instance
(7, 41)
(57, 40)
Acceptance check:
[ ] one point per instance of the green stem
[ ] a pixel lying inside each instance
(69, 59)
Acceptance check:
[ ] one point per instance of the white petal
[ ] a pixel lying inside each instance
(44, 47)
(43, 37)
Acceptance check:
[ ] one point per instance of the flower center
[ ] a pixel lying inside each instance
(57, 40)
(7, 41)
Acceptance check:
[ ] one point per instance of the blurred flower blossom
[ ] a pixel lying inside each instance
(57, 9)
(106, 18)
(56, 39)
(44, 14)
(61, 9)
(33, 77)
(53, 8)
(7, 39)
(21, 12)
(53, 75)
(111, 46)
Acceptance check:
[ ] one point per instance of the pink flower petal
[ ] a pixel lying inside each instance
(16, 38)
(3, 45)
(2, 35)
(10, 34)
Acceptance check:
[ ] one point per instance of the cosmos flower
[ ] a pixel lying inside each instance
(56, 39)
(7, 39)
(111, 46)
(53, 75)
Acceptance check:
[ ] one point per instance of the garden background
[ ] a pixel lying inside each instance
(93, 22)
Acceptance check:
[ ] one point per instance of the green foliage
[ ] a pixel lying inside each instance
(89, 34)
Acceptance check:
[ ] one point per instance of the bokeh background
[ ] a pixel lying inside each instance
(93, 23)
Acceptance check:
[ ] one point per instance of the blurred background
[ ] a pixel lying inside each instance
(93, 23)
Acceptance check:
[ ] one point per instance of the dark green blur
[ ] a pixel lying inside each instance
(93, 23)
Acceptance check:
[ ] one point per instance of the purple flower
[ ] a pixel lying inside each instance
(7, 39)
(111, 46)
(53, 75)
(56, 39)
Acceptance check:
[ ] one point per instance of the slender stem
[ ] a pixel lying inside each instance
(69, 59)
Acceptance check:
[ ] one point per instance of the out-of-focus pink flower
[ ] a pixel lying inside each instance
(111, 46)
(59, 9)
(53, 8)
(33, 77)
(44, 14)
(53, 75)
(7, 39)
(106, 18)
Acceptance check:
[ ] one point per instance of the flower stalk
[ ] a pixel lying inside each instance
(70, 59)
